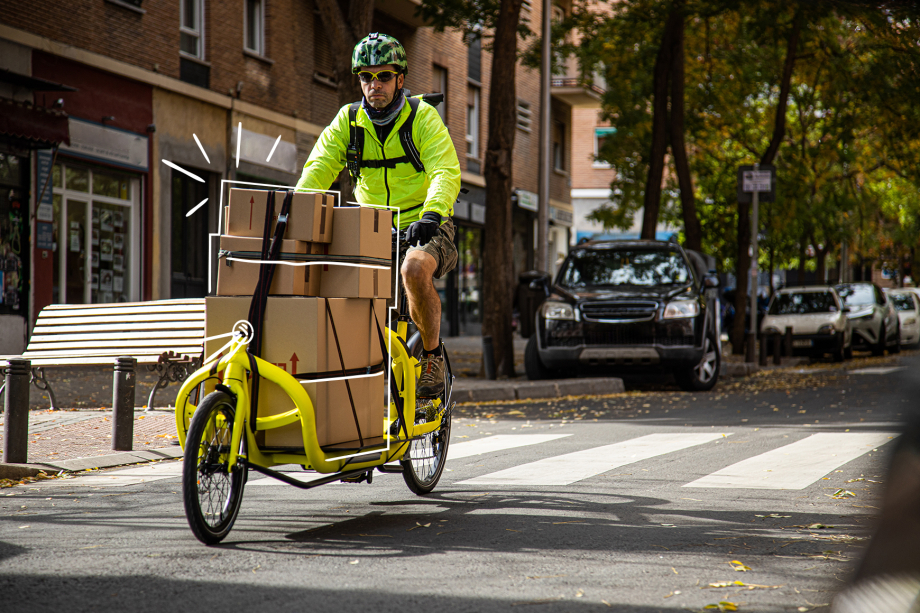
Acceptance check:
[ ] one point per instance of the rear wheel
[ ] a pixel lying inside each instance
(533, 366)
(702, 377)
(423, 462)
(211, 492)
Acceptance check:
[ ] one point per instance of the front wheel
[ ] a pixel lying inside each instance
(702, 377)
(533, 366)
(879, 347)
(211, 492)
(896, 348)
(423, 462)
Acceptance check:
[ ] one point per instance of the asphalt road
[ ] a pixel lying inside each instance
(637, 503)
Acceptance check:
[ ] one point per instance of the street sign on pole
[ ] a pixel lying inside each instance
(756, 179)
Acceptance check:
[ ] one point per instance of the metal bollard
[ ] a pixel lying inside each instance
(777, 349)
(16, 407)
(488, 358)
(750, 347)
(123, 404)
(762, 350)
(787, 341)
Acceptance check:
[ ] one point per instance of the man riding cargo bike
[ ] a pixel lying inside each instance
(400, 155)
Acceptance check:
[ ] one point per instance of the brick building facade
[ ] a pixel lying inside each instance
(144, 83)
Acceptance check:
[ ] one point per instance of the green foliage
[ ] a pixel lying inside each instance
(477, 19)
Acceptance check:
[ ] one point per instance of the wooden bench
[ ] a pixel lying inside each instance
(167, 336)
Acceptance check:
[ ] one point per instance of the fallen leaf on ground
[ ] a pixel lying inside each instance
(739, 566)
(723, 605)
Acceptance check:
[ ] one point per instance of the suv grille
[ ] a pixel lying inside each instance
(601, 334)
(619, 311)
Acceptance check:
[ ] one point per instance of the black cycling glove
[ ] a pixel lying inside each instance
(422, 231)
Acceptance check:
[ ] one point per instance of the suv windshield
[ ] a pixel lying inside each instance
(802, 303)
(606, 267)
(857, 295)
(902, 302)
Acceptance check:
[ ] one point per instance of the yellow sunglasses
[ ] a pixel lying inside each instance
(384, 76)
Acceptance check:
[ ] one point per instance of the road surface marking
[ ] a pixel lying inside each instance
(572, 467)
(797, 465)
(499, 442)
(876, 370)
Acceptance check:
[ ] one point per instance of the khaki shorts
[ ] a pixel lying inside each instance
(441, 247)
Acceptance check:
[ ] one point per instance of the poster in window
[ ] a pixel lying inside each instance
(95, 259)
(105, 218)
(119, 241)
(95, 217)
(105, 250)
(95, 237)
(118, 284)
(75, 241)
(105, 280)
(95, 282)
(119, 263)
(118, 219)
(107, 297)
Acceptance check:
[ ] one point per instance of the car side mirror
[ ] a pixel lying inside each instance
(710, 281)
(846, 309)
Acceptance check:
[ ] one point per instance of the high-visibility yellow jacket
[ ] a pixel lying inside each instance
(436, 188)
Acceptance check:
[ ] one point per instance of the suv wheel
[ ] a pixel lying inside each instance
(532, 365)
(702, 377)
(879, 348)
(896, 347)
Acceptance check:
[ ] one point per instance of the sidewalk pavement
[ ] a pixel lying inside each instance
(79, 438)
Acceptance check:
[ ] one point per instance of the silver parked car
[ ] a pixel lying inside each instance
(907, 305)
(818, 320)
(874, 320)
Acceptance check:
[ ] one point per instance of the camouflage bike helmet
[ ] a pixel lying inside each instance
(378, 49)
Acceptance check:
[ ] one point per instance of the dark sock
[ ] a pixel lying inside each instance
(436, 351)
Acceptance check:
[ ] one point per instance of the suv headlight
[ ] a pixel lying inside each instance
(826, 329)
(557, 310)
(681, 308)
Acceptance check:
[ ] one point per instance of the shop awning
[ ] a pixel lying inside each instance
(35, 125)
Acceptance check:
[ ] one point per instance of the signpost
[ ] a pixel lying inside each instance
(755, 183)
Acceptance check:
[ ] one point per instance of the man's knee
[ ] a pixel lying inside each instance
(418, 268)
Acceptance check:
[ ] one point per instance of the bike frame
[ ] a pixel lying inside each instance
(235, 373)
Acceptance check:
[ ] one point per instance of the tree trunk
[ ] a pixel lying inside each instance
(659, 127)
(742, 270)
(803, 258)
(693, 234)
(743, 264)
(343, 34)
(497, 275)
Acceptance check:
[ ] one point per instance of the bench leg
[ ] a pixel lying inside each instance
(39, 381)
(169, 371)
(161, 383)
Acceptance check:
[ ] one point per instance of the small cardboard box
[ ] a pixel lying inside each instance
(359, 235)
(239, 278)
(298, 337)
(310, 218)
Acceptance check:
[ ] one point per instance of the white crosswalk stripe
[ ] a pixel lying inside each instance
(797, 465)
(572, 467)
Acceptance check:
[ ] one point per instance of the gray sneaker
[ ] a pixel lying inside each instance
(431, 382)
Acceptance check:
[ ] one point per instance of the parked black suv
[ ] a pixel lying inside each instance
(637, 303)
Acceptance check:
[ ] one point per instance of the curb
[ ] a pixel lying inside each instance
(533, 390)
(20, 471)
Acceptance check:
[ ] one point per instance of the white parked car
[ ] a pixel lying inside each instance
(907, 304)
(818, 320)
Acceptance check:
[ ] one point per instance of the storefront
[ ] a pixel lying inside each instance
(461, 289)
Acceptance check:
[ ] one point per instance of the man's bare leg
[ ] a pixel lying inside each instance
(424, 302)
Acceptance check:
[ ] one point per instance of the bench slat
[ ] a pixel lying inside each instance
(103, 346)
(104, 319)
(115, 336)
(138, 352)
(151, 303)
(66, 329)
(105, 360)
(178, 308)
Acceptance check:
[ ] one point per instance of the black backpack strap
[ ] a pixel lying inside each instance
(355, 148)
(405, 135)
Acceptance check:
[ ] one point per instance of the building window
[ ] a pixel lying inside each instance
(558, 145)
(472, 126)
(191, 29)
(526, 11)
(439, 86)
(600, 136)
(254, 26)
(524, 115)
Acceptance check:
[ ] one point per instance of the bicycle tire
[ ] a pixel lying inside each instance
(424, 461)
(211, 492)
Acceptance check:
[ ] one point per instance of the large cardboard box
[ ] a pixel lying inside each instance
(310, 219)
(298, 336)
(359, 235)
(239, 278)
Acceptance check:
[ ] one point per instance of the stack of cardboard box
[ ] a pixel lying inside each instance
(321, 320)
